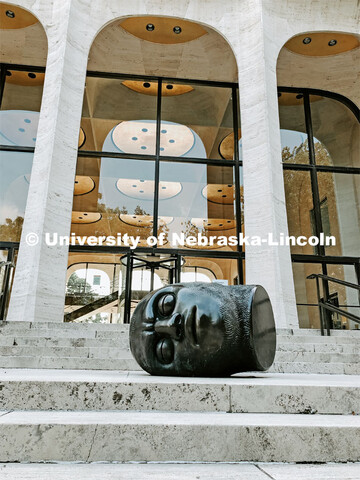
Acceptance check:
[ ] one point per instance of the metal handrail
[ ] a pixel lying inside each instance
(335, 280)
(329, 307)
(4, 287)
(4, 264)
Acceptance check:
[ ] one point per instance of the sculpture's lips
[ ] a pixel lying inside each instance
(191, 326)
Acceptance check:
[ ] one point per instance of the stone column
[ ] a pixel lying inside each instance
(39, 284)
(264, 195)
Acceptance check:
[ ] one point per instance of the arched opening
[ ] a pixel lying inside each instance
(160, 154)
(320, 137)
(22, 72)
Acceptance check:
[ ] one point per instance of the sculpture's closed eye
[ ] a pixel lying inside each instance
(165, 350)
(166, 305)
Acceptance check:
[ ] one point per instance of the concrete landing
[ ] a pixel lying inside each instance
(151, 471)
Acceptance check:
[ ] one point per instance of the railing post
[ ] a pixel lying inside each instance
(320, 307)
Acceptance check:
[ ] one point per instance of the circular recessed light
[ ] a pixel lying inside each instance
(10, 14)
(177, 30)
(299, 96)
(31, 75)
(332, 43)
(169, 87)
(307, 40)
(146, 85)
(150, 27)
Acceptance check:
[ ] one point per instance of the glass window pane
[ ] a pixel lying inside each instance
(15, 169)
(19, 117)
(93, 288)
(23, 90)
(336, 133)
(195, 119)
(197, 200)
(344, 297)
(294, 142)
(221, 270)
(113, 196)
(120, 115)
(340, 193)
(299, 208)
(306, 294)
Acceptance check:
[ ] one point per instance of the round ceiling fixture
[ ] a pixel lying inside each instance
(82, 138)
(144, 28)
(214, 224)
(85, 217)
(151, 88)
(317, 44)
(83, 185)
(144, 220)
(19, 127)
(144, 189)
(139, 137)
(226, 147)
(26, 79)
(13, 17)
(218, 193)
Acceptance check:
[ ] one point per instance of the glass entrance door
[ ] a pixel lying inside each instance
(7, 269)
(142, 274)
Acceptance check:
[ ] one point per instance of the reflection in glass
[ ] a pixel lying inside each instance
(222, 270)
(340, 193)
(121, 201)
(207, 111)
(293, 128)
(205, 204)
(337, 131)
(109, 103)
(299, 207)
(92, 289)
(17, 128)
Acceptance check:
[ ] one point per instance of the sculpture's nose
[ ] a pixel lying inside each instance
(172, 327)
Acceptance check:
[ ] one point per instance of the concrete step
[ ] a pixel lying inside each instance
(118, 363)
(91, 436)
(302, 339)
(182, 471)
(317, 357)
(319, 348)
(120, 341)
(115, 353)
(244, 393)
(316, 368)
(128, 363)
(71, 352)
(317, 332)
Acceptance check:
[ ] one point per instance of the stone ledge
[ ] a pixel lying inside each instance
(163, 436)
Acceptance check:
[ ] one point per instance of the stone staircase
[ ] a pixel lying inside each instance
(73, 393)
(105, 347)
(107, 416)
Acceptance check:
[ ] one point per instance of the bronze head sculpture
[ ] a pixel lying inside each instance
(202, 329)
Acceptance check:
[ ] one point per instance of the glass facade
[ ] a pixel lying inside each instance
(158, 159)
(20, 101)
(321, 159)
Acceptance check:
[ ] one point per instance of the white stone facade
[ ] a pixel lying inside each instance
(256, 31)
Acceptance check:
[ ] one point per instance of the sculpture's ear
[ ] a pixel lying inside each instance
(263, 331)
